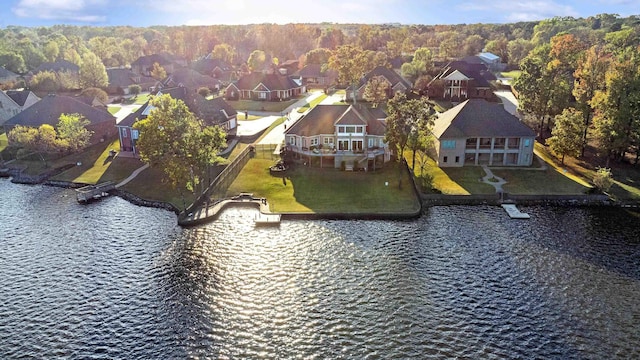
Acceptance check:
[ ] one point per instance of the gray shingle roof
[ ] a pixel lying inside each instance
(271, 81)
(49, 109)
(7, 75)
(323, 118)
(19, 96)
(479, 118)
(60, 65)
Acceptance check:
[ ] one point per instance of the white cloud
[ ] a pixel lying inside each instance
(518, 10)
(68, 10)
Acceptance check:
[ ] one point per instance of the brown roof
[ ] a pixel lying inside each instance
(271, 81)
(393, 77)
(49, 109)
(323, 118)
(479, 118)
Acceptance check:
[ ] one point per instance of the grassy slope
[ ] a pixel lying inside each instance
(325, 190)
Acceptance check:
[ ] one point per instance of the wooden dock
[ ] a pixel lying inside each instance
(89, 193)
(267, 220)
(514, 213)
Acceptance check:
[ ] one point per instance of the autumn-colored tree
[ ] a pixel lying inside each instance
(96, 93)
(257, 60)
(376, 90)
(45, 81)
(158, 72)
(350, 62)
(589, 78)
(473, 45)
(224, 52)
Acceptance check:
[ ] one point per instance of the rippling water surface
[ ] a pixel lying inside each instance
(115, 281)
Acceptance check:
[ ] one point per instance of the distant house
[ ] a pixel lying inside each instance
(267, 87)
(492, 61)
(216, 68)
(49, 109)
(7, 77)
(169, 62)
(313, 76)
(288, 67)
(461, 80)
(58, 66)
(190, 79)
(12, 102)
(477, 132)
(212, 112)
(216, 111)
(397, 84)
(120, 80)
(337, 134)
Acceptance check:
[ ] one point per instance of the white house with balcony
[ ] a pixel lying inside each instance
(340, 136)
(477, 132)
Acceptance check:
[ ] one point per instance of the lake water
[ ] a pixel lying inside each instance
(111, 280)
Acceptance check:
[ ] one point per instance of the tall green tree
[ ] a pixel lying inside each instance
(72, 131)
(93, 72)
(173, 139)
(350, 62)
(405, 120)
(617, 108)
(534, 86)
(566, 136)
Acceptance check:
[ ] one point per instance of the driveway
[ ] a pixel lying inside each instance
(509, 101)
(124, 111)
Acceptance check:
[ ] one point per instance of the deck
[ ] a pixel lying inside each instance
(210, 212)
(94, 192)
(514, 213)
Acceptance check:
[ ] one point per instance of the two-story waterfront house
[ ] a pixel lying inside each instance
(340, 136)
(477, 132)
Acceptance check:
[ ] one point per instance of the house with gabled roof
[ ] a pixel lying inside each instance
(189, 78)
(216, 68)
(7, 76)
(340, 135)
(477, 132)
(266, 87)
(212, 112)
(313, 76)
(120, 79)
(461, 80)
(12, 102)
(395, 82)
(169, 62)
(58, 66)
(49, 109)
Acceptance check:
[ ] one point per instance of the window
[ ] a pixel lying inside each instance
(340, 129)
(124, 132)
(457, 159)
(448, 144)
(328, 140)
(262, 95)
(445, 159)
(527, 142)
(350, 129)
(343, 144)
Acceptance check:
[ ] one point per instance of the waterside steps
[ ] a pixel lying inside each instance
(514, 213)
(89, 193)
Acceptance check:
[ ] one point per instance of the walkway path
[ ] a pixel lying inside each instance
(497, 183)
(133, 175)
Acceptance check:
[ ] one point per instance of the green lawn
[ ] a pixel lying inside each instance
(514, 74)
(113, 109)
(315, 190)
(3, 141)
(535, 182)
(249, 105)
(151, 184)
(312, 104)
(454, 181)
(95, 166)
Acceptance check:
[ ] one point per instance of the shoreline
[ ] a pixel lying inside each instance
(427, 201)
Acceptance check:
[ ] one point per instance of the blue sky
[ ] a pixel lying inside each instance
(205, 12)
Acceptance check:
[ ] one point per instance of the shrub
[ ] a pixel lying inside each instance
(603, 179)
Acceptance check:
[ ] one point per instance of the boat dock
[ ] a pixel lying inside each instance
(267, 219)
(514, 213)
(94, 192)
